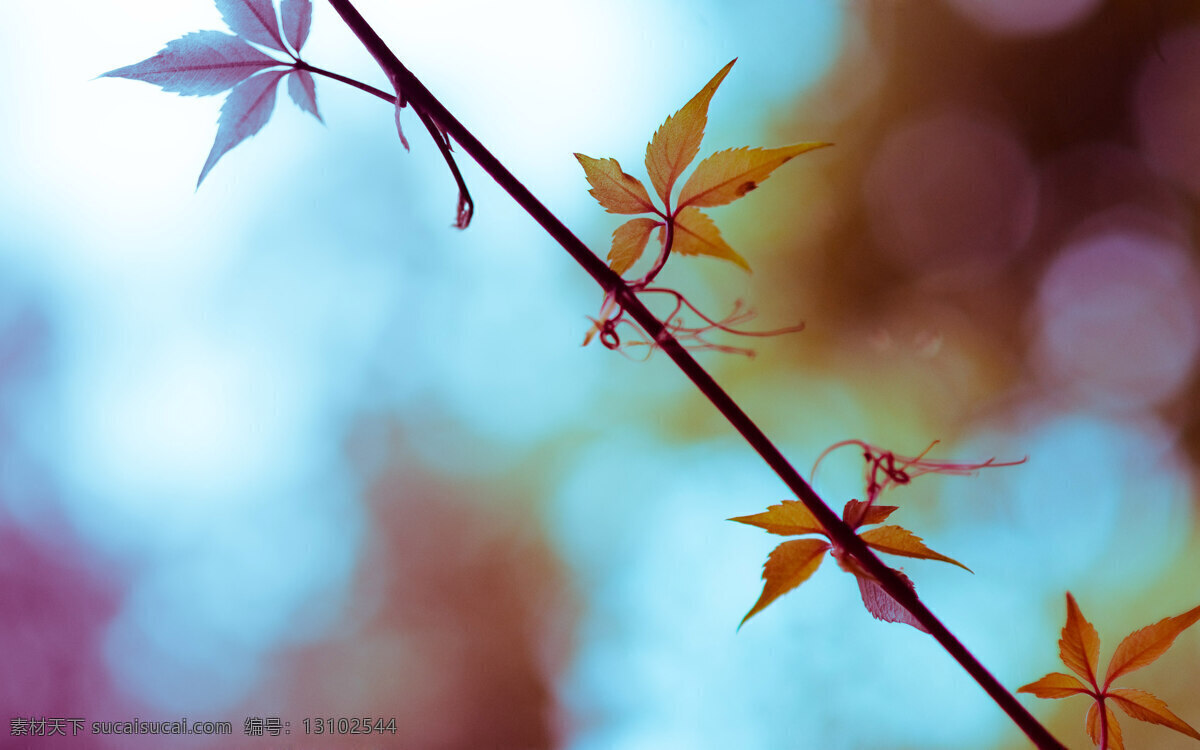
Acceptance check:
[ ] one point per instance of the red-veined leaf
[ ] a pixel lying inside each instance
(253, 20)
(617, 191)
(696, 234)
(789, 565)
(296, 16)
(1055, 685)
(858, 513)
(881, 604)
(677, 141)
(1115, 742)
(198, 64)
(244, 113)
(628, 242)
(1146, 707)
(728, 175)
(897, 540)
(303, 91)
(1147, 644)
(1079, 647)
(789, 518)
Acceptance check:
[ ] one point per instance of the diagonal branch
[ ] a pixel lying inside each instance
(424, 101)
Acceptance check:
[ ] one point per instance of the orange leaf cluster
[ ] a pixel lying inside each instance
(792, 563)
(720, 179)
(1079, 649)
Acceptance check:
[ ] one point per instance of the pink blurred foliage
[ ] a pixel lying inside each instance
(56, 601)
(457, 625)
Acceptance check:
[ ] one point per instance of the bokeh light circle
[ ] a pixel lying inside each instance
(950, 189)
(1024, 17)
(1118, 314)
(1167, 108)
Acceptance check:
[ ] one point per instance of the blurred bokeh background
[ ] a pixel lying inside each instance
(290, 446)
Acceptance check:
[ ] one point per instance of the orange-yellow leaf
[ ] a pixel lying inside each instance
(897, 540)
(1114, 729)
(787, 519)
(628, 242)
(677, 142)
(856, 513)
(1079, 647)
(1055, 685)
(728, 175)
(789, 565)
(1144, 646)
(617, 191)
(1145, 707)
(696, 234)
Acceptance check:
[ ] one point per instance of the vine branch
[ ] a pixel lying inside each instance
(424, 101)
(465, 205)
(380, 93)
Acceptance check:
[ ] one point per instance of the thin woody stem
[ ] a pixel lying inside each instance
(662, 256)
(420, 97)
(1103, 724)
(301, 65)
(466, 206)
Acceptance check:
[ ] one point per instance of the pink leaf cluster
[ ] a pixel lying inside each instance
(209, 62)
